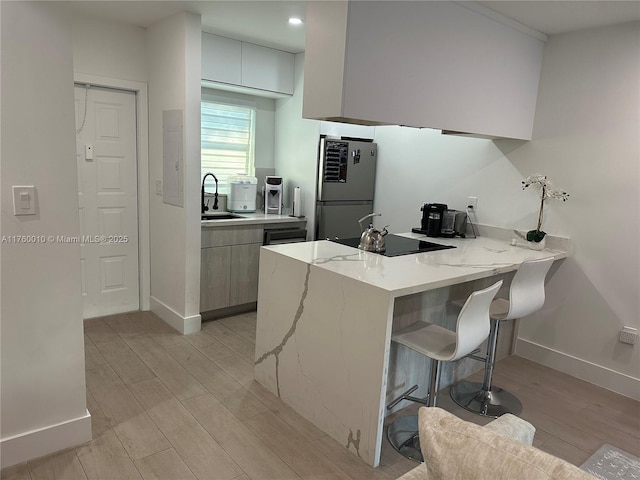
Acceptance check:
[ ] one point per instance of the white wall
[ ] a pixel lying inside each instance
(265, 132)
(109, 49)
(192, 179)
(173, 47)
(586, 130)
(585, 141)
(42, 382)
(422, 165)
(296, 147)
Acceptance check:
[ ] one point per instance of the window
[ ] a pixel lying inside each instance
(227, 140)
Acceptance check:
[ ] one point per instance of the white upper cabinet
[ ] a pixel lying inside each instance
(267, 69)
(247, 66)
(421, 64)
(221, 59)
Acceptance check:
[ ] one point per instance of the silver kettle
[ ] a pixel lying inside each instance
(372, 240)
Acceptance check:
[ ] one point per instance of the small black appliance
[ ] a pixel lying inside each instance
(432, 214)
(439, 221)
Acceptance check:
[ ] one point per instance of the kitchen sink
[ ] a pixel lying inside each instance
(219, 216)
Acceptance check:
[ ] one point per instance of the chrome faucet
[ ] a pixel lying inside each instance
(215, 195)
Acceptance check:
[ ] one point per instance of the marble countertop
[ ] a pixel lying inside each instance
(403, 275)
(257, 218)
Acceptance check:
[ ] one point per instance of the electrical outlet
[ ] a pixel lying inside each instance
(628, 335)
(472, 203)
(158, 187)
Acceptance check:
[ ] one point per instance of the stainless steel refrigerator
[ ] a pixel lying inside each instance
(346, 183)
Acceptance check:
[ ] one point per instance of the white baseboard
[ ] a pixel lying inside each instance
(184, 325)
(582, 369)
(43, 441)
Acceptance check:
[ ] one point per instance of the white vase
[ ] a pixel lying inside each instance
(537, 245)
(516, 242)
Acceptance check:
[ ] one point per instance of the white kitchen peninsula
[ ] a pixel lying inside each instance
(325, 316)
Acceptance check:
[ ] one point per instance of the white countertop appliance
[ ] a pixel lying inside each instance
(242, 193)
(273, 195)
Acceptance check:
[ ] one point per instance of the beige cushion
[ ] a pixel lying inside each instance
(513, 427)
(455, 449)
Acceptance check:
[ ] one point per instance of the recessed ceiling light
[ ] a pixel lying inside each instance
(295, 21)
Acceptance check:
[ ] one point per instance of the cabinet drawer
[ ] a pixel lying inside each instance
(287, 225)
(220, 236)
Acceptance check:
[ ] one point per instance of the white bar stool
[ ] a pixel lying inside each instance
(440, 345)
(526, 295)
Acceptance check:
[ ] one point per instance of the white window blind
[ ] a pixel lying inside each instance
(227, 138)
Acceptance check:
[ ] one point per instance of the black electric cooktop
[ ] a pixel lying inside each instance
(396, 245)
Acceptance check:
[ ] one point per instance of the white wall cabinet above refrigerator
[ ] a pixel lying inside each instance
(423, 64)
(237, 65)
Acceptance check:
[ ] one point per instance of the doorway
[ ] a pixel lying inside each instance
(108, 199)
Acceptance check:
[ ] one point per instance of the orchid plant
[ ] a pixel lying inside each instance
(547, 191)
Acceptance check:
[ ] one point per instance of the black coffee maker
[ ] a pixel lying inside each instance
(432, 214)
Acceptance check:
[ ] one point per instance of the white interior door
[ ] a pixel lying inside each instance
(108, 199)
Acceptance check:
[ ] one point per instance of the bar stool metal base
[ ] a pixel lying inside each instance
(403, 436)
(471, 396)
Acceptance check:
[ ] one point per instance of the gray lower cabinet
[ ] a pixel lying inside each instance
(245, 262)
(229, 263)
(215, 269)
(230, 258)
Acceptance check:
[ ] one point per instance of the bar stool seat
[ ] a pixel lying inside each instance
(499, 308)
(440, 345)
(429, 339)
(526, 295)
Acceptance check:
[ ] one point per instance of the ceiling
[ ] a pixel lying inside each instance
(265, 22)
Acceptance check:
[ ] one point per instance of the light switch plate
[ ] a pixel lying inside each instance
(24, 200)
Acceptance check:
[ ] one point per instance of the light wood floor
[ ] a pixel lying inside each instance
(167, 406)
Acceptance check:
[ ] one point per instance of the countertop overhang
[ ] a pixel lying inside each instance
(472, 259)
